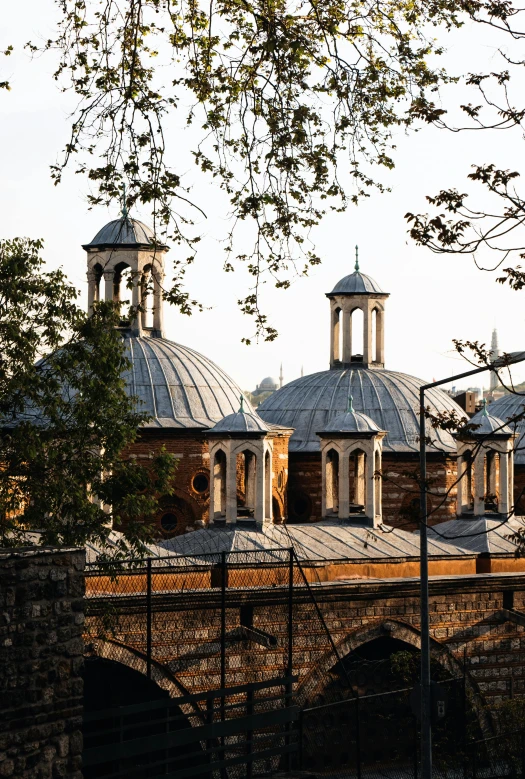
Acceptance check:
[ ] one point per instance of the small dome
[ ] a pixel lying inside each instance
(123, 232)
(488, 424)
(269, 383)
(508, 408)
(351, 421)
(357, 283)
(241, 422)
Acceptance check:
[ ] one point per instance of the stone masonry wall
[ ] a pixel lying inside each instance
(41, 660)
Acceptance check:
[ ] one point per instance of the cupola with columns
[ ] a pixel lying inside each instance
(351, 453)
(123, 246)
(485, 466)
(241, 450)
(357, 292)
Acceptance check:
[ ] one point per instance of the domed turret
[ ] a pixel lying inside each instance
(242, 421)
(356, 292)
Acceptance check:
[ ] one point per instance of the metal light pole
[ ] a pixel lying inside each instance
(426, 711)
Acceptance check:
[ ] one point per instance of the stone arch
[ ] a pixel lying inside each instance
(409, 635)
(184, 509)
(110, 649)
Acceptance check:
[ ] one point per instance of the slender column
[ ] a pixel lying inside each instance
(380, 338)
(344, 485)
(505, 496)
(323, 482)
(479, 483)
(347, 335)
(460, 490)
(108, 285)
(158, 318)
(367, 335)
(370, 492)
(91, 290)
(268, 477)
(136, 324)
(378, 486)
(259, 480)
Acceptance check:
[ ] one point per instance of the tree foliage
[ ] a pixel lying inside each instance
(280, 95)
(66, 417)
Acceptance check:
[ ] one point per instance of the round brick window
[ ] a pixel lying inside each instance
(168, 522)
(200, 482)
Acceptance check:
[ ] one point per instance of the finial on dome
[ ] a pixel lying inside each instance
(356, 258)
(350, 403)
(484, 409)
(124, 210)
(241, 410)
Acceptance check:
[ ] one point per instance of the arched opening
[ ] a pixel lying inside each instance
(268, 485)
(365, 709)
(377, 483)
(122, 280)
(467, 482)
(357, 481)
(219, 484)
(492, 481)
(110, 687)
(147, 299)
(247, 484)
(337, 334)
(97, 276)
(276, 511)
(332, 482)
(357, 330)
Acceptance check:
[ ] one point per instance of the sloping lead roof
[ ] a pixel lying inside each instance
(391, 399)
(327, 540)
(487, 424)
(506, 408)
(123, 231)
(241, 422)
(179, 387)
(356, 283)
(483, 534)
(351, 422)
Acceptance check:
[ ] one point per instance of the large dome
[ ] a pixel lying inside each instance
(506, 408)
(391, 399)
(179, 387)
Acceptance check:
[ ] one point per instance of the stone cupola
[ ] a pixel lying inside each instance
(241, 450)
(357, 292)
(351, 452)
(485, 466)
(125, 251)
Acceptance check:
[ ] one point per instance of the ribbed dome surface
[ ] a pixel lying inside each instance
(506, 408)
(356, 283)
(121, 232)
(391, 399)
(178, 386)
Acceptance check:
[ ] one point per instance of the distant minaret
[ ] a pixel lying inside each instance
(494, 354)
(302, 371)
(281, 377)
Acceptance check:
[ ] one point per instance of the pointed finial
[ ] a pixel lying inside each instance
(484, 409)
(356, 258)
(241, 410)
(350, 403)
(302, 371)
(124, 210)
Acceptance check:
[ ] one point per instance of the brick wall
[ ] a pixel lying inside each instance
(41, 646)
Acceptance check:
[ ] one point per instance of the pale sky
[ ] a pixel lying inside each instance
(433, 298)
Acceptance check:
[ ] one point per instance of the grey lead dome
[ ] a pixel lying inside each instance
(391, 399)
(241, 422)
(357, 283)
(178, 387)
(123, 232)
